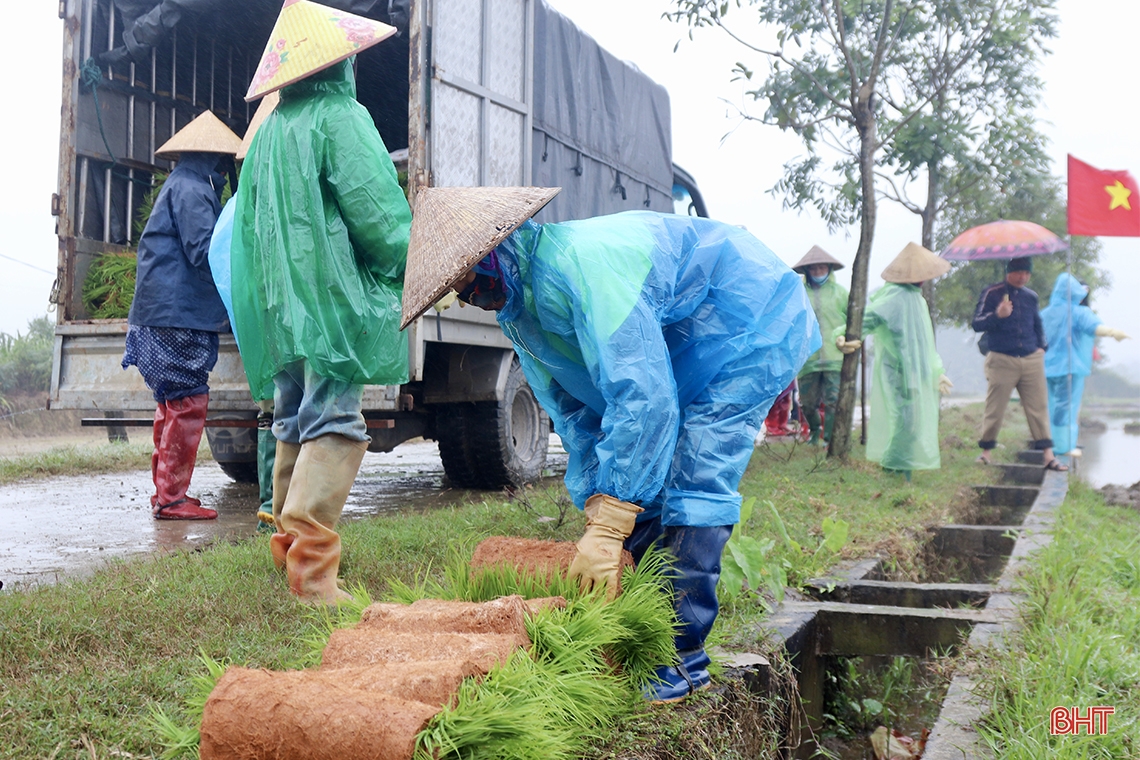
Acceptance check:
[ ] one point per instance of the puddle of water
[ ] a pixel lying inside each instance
(1109, 456)
(68, 526)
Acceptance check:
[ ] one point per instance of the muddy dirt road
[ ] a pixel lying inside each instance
(67, 526)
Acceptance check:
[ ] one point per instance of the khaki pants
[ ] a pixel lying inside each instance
(1027, 374)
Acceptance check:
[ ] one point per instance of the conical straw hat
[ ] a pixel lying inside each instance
(816, 256)
(309, 37)
(915, 264)
(206, 134)
(268, 103)
(454, 227)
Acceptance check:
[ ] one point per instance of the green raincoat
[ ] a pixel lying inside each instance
(320, 241)
(902, 429)
(829, 302)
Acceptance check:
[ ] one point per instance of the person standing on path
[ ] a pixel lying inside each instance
(176, 315)
(656, 343)
(1071, 328)
(902, 431)
(819, 379)
(318, 252)
(1007, 315)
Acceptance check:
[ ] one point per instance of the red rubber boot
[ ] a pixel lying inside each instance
(159, 426)
(177, 452)
(776, 424)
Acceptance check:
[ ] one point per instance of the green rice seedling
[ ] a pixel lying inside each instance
(518, 711)
(181, 737)
(109, 287)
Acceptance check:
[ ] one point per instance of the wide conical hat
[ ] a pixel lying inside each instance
(268, 103)
(816, 256)
(915, 264)
(453, 228)
(206, 134)
(309, 37)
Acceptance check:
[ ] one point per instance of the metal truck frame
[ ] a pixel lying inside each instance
(471, 92)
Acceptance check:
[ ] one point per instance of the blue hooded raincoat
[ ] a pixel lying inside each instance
(657, 343)
(1071, 331)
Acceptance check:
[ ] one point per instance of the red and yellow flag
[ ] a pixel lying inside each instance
(1102, 202)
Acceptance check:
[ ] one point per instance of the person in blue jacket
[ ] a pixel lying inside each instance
(176, 314)
(1071, 328)
(656, 343)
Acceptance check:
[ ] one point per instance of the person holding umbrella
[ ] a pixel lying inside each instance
(1015, 336)
(1071, 329)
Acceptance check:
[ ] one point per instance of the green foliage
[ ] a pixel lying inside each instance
(146, 206)
(109, 287)
(25, 359)
(751, 561)
(1076, 645)
(1027, 196)
(862, 693)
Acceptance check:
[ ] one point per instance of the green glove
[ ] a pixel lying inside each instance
(598, 562)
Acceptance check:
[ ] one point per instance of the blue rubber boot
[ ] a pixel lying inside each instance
(695, 572)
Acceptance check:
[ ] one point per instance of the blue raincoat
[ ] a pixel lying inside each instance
(173, 286)
(657, 343)
(1071, 331)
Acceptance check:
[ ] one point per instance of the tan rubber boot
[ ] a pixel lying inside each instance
(322, 477)
(284, 462)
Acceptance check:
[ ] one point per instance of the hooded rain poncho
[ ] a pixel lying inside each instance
(321, 237)
(829, 302)
(657, 343)
(1071, 331)
(902, 431)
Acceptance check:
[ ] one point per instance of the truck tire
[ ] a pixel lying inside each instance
(235, 449)
(240, 472)
(511, 435)
(453, 426)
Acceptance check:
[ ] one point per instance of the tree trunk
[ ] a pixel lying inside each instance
(840, 444)
(928, 214)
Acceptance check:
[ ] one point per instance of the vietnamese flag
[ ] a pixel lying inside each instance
(1102, 202)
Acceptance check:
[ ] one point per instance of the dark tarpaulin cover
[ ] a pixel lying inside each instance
(601, 114)
(146, 23)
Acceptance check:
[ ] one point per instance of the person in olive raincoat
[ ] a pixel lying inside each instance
(656, 343)
(902, 429)
(1071, 328)
(176, 314)
(819, 378)
(320, 240)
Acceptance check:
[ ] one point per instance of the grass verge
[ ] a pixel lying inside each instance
(84, 663)
(77, 460)
(1079, 645)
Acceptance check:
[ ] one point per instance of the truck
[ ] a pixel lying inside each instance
(468, 93)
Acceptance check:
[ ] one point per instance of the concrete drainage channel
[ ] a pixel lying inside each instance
(966, 596)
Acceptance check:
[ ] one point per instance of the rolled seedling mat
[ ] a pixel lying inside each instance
(543, 559)
(362, 645)
(300, 715)
(505, 615)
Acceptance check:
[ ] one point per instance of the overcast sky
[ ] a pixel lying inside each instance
(1090, 109)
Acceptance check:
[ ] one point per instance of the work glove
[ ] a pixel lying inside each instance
(446, 300)
(944, 385)
(609, 523)
(848, 346)
(1111, 332)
